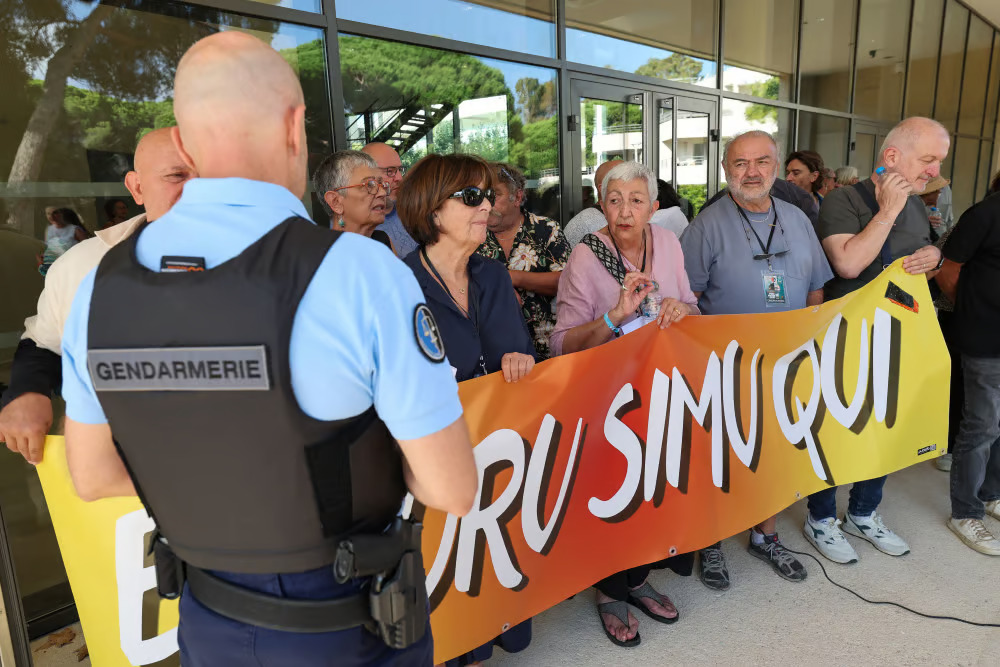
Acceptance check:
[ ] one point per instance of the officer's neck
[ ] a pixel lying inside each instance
(450, 259)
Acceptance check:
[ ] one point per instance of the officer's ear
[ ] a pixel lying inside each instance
(175, 135)
(296, 126)
(134, 186)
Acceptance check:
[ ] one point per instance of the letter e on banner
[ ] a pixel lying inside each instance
(134, 579)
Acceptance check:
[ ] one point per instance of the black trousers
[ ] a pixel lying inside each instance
(947, 321)
(618, 585)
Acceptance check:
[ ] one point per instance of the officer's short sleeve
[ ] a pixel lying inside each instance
(414, 390)
(78, 390)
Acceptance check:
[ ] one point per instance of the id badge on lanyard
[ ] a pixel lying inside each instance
(774, 288)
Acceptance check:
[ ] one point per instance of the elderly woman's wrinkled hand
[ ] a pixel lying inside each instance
(672, 310)
(516, 365)
(637, 286)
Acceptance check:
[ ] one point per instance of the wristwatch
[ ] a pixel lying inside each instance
(939, 264)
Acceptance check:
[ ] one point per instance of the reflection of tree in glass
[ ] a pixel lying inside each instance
(382, 76)
(762, 113)
(675, 67)
(696, 194)
(618, 118)
(117, 55)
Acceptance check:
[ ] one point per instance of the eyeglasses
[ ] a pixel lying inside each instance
(769, 255)
(371, 185)
(391, 172)
(473, 196)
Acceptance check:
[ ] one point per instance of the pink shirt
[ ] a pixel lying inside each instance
(587, 290)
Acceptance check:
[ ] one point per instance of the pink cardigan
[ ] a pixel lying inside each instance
(587, 290)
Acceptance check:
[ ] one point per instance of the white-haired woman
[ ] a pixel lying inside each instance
(846, 176)
(353, 192)
(606, 280)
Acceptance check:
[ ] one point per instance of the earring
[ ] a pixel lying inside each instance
(340, 223)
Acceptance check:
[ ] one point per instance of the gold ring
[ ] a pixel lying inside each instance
(676, 311)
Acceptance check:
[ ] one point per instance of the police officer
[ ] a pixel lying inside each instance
(256, 372)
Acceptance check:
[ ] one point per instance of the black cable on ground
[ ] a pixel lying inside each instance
(894, 604)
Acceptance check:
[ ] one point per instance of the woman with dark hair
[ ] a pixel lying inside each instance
(65, 230)
(669, 215)
(115, 211)
(444, 203)
(804, 169)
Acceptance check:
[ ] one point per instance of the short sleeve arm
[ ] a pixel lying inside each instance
(967, 236)
(414, 390)
(697, 257)
(573, 302)
(838, 215)
(82, 404)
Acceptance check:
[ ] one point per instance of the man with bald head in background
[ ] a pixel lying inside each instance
(589, 220)
(392, 168)
(36, 375)
(270, 400)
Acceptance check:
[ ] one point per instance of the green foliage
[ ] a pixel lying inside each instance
(696, 194)
(763, 113)
(675, 67)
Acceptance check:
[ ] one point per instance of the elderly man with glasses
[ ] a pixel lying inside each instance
(392, 170)
(752, 253)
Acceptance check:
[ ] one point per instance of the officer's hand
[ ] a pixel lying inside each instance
(891, 191)
(24, 423)
(516, 365)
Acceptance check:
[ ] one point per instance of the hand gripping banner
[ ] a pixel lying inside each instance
(655, 444)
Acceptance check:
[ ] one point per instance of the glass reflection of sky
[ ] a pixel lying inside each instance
(455, 19)
(603, 51)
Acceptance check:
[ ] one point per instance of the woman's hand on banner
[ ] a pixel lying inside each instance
(516, 365)
(672, 310)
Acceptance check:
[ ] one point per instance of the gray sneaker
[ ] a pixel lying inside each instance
(774, 552)
(714, 572)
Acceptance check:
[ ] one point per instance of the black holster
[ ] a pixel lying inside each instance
(169, 568)
(398, 594)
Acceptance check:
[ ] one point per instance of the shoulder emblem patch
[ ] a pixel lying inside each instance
(428, 336)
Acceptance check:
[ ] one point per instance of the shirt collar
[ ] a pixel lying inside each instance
(114, 235)
(240, 192)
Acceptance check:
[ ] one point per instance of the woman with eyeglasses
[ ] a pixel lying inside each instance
(354, 193)
(629, 272)
(444, 203)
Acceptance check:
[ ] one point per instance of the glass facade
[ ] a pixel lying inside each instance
(553, 86)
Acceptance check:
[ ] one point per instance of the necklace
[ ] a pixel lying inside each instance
(461, 290)
(618, 250)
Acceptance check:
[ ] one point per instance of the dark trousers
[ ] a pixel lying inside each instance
(975, 465)
(618, 585)
(207, 639)
(947, 322)
(865, 499)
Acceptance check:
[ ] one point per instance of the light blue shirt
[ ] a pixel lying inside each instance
(353, 341)
(402, 242)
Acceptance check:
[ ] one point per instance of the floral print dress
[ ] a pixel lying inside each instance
(539, 246)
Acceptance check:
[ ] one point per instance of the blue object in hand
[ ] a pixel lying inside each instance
(880, 171)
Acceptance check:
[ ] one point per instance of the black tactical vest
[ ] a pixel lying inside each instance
(192, 371)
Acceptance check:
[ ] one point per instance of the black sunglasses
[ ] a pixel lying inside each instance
(769, 255)
(473, 196)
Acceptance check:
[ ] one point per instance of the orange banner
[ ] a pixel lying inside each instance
(661, 443)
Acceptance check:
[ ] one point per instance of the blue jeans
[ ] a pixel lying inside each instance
(975, 464)
(207, 639)
(865, 499)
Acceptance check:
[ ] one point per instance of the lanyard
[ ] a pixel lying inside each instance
(765, 250)
(472, 313)
(615, 244)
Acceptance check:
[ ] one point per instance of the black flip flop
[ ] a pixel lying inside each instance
(647, 591)
(618, 609)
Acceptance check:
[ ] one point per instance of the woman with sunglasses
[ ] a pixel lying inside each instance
(354, 193)
(627, 270)
(444, 203)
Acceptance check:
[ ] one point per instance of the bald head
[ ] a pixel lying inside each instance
(915, 149)
(388, 161)
(159, 175)
(602, 173)
(240, 112)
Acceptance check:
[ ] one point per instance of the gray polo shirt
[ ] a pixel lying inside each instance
(845, 212)
(720, 264)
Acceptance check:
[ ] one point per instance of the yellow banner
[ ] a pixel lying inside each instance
(701, 431)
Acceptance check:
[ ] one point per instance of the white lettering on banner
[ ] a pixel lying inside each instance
(134, 579)
(801, 430)
(625, 441)
(537, 536)
(745, 451)
(682, 399)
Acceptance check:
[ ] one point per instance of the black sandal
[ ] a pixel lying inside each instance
(647, 591)
(618, 609)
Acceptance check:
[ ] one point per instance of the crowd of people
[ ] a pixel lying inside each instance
(463, 281)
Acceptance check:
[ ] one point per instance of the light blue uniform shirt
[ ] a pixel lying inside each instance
(353, 342)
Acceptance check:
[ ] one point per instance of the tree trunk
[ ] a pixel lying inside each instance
(28, 160)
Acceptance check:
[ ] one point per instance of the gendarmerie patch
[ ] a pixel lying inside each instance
(180, 369)
(177, 264)
(428, 335)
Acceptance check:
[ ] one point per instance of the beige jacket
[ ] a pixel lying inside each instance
(63, 279)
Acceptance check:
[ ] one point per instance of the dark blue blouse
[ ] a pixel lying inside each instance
(501, 325)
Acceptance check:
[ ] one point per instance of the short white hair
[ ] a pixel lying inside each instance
(630, 171)
(750, 133)
(907, 131)
(846, 175)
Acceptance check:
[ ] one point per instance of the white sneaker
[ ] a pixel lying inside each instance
(976, 535)
(826, 536)
(993, 509)
(943, 463)
(872, 529)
